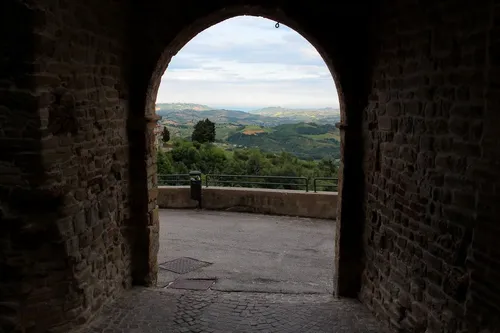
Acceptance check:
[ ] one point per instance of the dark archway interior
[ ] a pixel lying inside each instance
(418, 212)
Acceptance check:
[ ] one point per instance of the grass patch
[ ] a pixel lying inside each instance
(255, 129)
(329, 135)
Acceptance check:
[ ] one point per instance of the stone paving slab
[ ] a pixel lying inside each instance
(159, 310)
(192, 284)
(183, 265)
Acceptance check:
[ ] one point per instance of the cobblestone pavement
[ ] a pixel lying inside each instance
(153, 310)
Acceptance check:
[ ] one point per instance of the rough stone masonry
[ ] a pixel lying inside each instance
(419, 91)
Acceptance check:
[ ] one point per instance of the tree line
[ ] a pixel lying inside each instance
(202, 155)
(203, 132)
(187, 156)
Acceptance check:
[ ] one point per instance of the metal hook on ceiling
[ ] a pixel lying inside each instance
(277, 25)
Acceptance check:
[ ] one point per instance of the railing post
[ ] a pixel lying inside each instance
(314, 185)
(307, 184)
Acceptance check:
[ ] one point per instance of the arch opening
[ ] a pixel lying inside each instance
(173, 45)
(213, 19)
(216, 76)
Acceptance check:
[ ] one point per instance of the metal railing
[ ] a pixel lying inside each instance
(325, 179)
(173, 179)
(283, 182)
(273, 182)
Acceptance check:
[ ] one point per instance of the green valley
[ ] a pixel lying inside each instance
(304, 140)
(306, 133)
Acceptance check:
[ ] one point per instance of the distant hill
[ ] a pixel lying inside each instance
(304, 140)
(166, 107)
(191, 117)
(306, 114)
(278, 110)
(306, 133)
(189, 114)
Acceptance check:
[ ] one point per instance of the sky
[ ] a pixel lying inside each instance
(245, 62)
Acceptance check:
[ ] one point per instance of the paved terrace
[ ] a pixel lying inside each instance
(239, 273)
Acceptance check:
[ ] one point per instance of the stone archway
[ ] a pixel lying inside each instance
(348, 254)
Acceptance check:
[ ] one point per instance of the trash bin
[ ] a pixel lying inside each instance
(195, 184)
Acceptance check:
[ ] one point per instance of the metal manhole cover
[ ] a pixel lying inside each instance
(192, 284)
(184, 265)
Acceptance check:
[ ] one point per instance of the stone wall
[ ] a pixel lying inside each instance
(274, 202)
(65, 248)
(432, 161)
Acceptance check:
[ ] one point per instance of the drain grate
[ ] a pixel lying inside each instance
(192, 284)
(184, 265)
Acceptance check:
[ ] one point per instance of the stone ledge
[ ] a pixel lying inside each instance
(264, 201)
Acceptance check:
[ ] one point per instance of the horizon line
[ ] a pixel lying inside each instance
(254, 107)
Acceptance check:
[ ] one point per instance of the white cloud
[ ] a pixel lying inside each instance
(245, 61)
(232, 70)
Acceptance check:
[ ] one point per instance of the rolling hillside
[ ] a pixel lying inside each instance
(306, 133)
(160, 107)
(329, 115)
(305, 140)
(190, 114)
